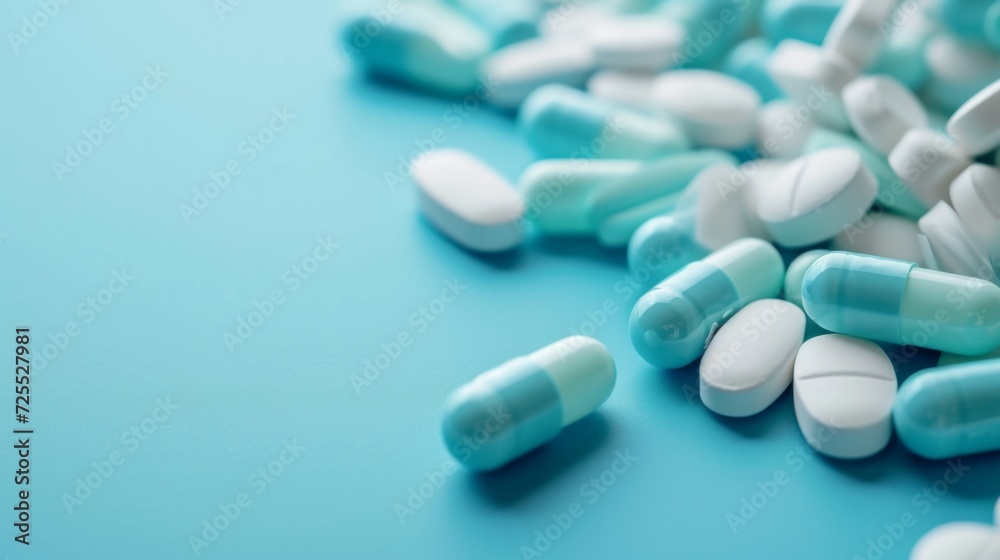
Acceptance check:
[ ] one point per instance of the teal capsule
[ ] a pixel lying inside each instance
(950, 411)
(560, 122)
(895, 301)
(671, 325)
(519, 405)
(712, 26)
(662, 246)
(748, 62)
(507, 22)
(803, 20)
(964, 18)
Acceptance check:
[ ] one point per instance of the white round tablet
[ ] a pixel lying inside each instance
(636, 42)
(634, 89)
(856, 32)
(519, 69)
(883, 235)
(749, 362)
(882, 110)
(976, 124)
(817, 196)
(975, 195)
(813, 77)
(927, 162)
(783, 128)
(715, 109)
(468, 201)
(844, 391)
(958, 541)
(951, 248)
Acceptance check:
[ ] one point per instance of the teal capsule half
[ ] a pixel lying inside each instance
(523, 403)
(671, 325)
(803, 20)
(895, 301)
(950, 411)
(748, 62)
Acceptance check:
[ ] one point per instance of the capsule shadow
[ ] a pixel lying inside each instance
(528, 474)
(366, 82)
(581, 246)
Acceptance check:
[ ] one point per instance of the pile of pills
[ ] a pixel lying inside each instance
(859, 136)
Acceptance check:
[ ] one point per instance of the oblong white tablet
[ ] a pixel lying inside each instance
(817, 196)
(715, 109)
(749, 362)
(951, 248)
(634, 89)
(958, 541)
(723, 213)
(844, 391)
(975, 195)
(883, 235)
(636, 42)
(468, 201)
(783, 128)
(976, 124)
(814, 77)
(882, 110)
(927, 162)
(856, 32)
(519, 69)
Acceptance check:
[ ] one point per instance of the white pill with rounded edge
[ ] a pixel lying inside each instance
(634, 89)
(856, 32)
(948, 246)
(883, 235)
(958, 541)
(976, 124)
(783, 128)
(468, 201)
(723, 212)
(813, 77)
(927, 162)
(844, 391)
(975, 195)
(715, 109)
(817, 196)
(882, 110)
(996, 513)
(519, 69)
(748, 363)
(636, 42)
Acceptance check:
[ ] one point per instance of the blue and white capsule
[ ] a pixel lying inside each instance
(672, 324)
(521, 404)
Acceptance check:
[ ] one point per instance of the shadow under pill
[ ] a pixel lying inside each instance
(768, 421)
(501, 260)
(581, 246)
(974, 476)
(538, 469)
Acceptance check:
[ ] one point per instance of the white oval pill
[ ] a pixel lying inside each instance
(783, 129)
(882, 110)
(813, 77)
(634, 89)
(975, 195)
(958, 541)
(468, 201)
(951, 248)
(636, 42)
(817, 196)
(519, 69)
(723, 212)
(844, 391)
(883, 235)
(976, 124)
(715, 109)
(856, 32)
(927, 162)
(749, 362)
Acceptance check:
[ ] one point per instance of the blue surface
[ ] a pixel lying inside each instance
(162, 337)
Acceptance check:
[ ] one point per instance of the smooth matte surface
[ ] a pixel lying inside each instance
(161, 338)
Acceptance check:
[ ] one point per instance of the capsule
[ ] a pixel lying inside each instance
(521, 404)
(949, 411)
(672, 324)
(895, 301)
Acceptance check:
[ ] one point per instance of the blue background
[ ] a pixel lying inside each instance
(161, 339)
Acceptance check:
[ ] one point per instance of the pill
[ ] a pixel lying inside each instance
(426, 45)
(882, 235)
(957, 71)
(951, 249)
(844, 390)
(671, 324)
(712, 27)
(976, 124)
(715, 109)
(578, 22)
(991, 25)
(661, 246)
(817, 196)
(975, 195)
(893, 194)
(634, 89)
(748, 62)
(856, 33)
(468, 201)
(519, 69)
(927, 162)
(950, 411)
(958, 541)
(996, 513)
(797, 271)
(903, 56)
(562, 122)
(636, 42)
(740, 375)
(617, 229)
(813, 77)
(882, 110)
(963, 18)
(725, 208)
(521, 404)
(803, 20)
(894, 301)
(783, 129)
(507, 22)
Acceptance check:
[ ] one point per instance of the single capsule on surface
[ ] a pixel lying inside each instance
(671, 324)
(950, 411)
(895, 301)
(523, 403)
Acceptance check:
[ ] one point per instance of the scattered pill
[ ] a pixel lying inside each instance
(661, 246)
(507, 22)
(975, 195)
(958, 541)
(797, 271)
(803, 20)
(716, 110)
(951, 249)
(882, 110)
(634, 89)
(856, 33)
(647, 43)
(724, 211)
(521, 404)
(882, 235)
(927, 162)
(976, 124)
(519, 69)
(748, 62)
(958, 70)
(783, 130)
(813, 77)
